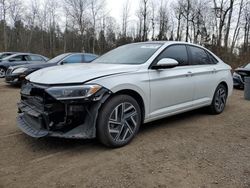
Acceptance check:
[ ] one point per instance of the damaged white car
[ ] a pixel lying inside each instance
(126, 87)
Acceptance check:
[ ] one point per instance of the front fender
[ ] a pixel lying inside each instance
(121, 82)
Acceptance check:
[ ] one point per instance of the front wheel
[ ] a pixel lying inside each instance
(219, 100)
(119, 121)
(2, 72)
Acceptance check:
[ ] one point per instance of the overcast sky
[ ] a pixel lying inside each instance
(115, 7)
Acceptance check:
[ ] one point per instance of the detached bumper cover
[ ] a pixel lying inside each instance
(30, 130)
(40, 117)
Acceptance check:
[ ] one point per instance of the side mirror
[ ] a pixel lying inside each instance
(166, 63)
(62, 62)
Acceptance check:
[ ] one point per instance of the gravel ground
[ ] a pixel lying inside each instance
(189, 150)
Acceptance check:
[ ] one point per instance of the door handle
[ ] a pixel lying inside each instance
(214, 71)
(189, 73)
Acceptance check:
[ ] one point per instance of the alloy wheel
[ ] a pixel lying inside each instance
(123, 122)
(2, 72)
(220, 99)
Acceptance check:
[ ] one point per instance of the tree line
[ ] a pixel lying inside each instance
(53, 27)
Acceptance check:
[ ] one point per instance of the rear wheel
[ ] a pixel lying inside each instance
(2, 72)
(119, 121)
(219, 100)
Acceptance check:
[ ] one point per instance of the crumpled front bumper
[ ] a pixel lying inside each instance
(37, 121)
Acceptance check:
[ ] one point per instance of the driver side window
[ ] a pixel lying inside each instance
(177, 52)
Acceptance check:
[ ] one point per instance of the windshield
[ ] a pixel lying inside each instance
(247, 66)
(58, 58)
(129, 54)
(11, 56)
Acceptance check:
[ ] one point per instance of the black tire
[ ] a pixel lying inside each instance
(219, 100)
(2, 72)
(119, 117)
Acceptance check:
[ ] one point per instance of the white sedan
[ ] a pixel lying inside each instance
(130, 85)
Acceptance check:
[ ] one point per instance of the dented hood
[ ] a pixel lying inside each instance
(78, 73)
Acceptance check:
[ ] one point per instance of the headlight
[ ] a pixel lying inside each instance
(73, 92)
(19, 70)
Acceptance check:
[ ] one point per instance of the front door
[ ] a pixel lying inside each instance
(172, 89)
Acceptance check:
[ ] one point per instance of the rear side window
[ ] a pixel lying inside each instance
(199, 56)
(213, 60)
(19, 58)
(36, 58)
(89, 58)
(177, 52)
(73, 59)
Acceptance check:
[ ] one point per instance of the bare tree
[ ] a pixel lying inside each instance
(77, 11)
(246, 27)
(178, 13)
(95, 6)
(221, 12)
(237, 28)
(125, 17)
(163, 21)
(15, 10)
(144, 11)
(228, 26)
(4, 8)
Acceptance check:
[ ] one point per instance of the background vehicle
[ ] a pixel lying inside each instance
(111, 97)
(240, 74)
(19, 59)
(16, 74)
(6, 54)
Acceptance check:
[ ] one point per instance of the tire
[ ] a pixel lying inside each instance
(2, 72)
(219, 100)
(118, 121)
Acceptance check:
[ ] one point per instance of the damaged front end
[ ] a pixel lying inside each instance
(60, 111)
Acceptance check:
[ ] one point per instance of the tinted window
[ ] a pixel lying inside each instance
(89, 58)
(199, 56)
(73, 59)
(177, 52)
(19, 58)
(36, 58)
(213, 60)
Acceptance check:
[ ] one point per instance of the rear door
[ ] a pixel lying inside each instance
(172, 89)
(204, 74)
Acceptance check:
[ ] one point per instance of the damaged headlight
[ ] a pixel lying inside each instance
(73, 92)
(19, 70)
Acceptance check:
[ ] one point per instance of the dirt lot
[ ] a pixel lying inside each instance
(189, 150)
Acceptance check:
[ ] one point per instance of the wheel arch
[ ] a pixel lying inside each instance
(136, 96)
(225, 84)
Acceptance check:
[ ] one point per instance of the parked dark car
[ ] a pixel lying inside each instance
(15, 75)
(5, 54)
(20, 59)
(240, 74)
